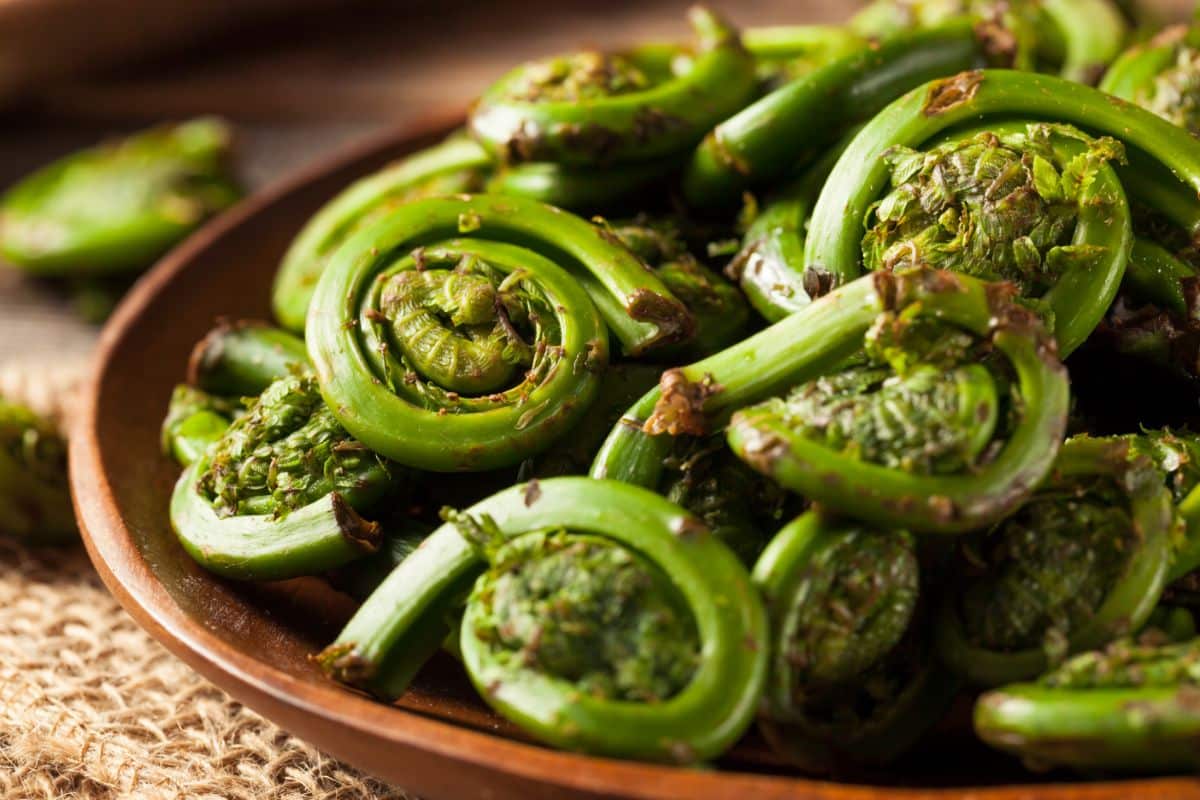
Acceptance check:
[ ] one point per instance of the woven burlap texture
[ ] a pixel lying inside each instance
(92, 707)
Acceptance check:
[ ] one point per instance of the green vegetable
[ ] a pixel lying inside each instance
(1128, 708)
(243, 358)
(455, 165)
(777, 134)
(1159, 277)
(594, 108)
(1082, 563)
(234, 360)
(561, 650)
(448, 337)
(35, 503)
(853, 679)
(860, 176)
(816, 342)
(118, 206)
(830, 524)
(276, 496)
(1177, 456)
(1089, 35)
(1089, 269)
(1034, 205)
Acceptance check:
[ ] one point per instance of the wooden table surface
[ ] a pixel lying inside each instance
(299, 86)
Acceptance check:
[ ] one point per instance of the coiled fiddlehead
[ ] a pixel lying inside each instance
(975, 205)
(776, 135)
(1131, 707)
(276, 496)
(914, 434)
(852, 676)
(589, 108)
(35, 503)
(816, 342)
(581, 576)
(1082, 292)
(118, 206)
(447, 337)
(1081, 564)
(455, 165)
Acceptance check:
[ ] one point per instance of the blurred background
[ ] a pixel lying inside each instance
(297, 77)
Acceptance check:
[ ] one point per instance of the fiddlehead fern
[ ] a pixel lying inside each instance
(447, 337)
(583, 575)
(588, 108)
(455, 165)
(276, 495)
(1131, 707)
(981, 482)
(1082, 563)
(852, 676)
(1083, 292)
(776, 135)
(118, 206)
(35, 503)
(974, 205)
(242, 358)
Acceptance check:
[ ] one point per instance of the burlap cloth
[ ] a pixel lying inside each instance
(92, 707)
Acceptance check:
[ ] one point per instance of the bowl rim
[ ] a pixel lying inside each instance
(306, 708)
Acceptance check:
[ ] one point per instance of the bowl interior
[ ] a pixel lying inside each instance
(255, 641)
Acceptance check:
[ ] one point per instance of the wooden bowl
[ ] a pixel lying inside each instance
(255, 641)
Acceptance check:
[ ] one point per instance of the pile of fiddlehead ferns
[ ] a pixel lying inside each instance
(759, 380)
